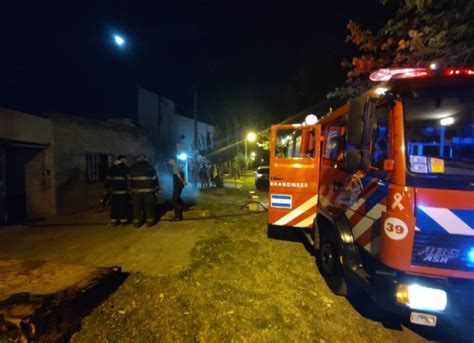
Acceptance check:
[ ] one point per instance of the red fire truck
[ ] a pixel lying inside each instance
(386, 183)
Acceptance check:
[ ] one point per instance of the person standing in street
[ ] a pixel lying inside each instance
(214, 174)
(178, 185)
(143, 186)
(116, 186)
(204, 176)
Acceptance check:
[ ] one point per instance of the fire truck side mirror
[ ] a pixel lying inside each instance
(353, 161)
(355, 122)
(356, 160)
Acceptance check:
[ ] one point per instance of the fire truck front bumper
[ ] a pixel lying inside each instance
(427, 301)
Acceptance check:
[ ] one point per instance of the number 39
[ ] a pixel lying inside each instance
(395, 228)
(398, 229)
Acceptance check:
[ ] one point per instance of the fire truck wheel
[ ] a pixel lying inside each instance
(330, 262)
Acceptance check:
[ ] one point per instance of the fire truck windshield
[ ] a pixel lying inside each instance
(439, 132)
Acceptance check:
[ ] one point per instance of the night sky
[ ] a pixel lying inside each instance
(246, 59)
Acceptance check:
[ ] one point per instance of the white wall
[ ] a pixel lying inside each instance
(173, 131)
(185, 133)
(156, 114)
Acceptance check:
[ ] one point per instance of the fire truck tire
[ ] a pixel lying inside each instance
(330, 262)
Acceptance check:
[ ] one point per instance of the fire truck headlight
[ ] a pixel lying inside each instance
(421, 298)
(381, 90)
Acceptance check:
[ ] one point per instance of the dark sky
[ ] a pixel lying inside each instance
(243, 57)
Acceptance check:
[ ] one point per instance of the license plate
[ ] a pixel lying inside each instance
(423, 319)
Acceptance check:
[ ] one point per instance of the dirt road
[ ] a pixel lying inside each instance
(217, 279)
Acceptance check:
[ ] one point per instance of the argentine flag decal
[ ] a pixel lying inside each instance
(281, 201)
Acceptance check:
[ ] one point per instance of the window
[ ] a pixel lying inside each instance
(439, 129)
(379, 139)
(97, 165)
(335, 139)
(295, 143)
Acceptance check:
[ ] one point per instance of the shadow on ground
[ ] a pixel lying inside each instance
(51, 313)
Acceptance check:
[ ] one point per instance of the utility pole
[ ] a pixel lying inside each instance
(157, 143)
(195, 147)
(237, 141)
(227, 132)
(237, 135)
(195, 121)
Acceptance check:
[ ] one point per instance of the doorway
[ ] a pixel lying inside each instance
(13, 160)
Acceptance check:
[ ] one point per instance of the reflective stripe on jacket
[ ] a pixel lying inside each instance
(142, 178)
(116, 180)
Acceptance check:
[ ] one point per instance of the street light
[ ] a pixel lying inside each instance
(184, 157)
(251, 137)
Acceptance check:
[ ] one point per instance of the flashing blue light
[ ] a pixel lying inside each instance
(470, 255)
(183, 156)
(119, 40)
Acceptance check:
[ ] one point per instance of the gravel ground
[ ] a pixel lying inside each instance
(238, 286)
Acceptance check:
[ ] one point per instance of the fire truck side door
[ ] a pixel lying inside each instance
(294, 175)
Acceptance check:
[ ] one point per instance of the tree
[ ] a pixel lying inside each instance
(239, 161)
(420, 32)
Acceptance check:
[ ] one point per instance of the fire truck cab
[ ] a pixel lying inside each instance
(386, 183)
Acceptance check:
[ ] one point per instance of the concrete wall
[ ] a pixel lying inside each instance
(22, 127)
(74, 137)
(40, 185)
(185, 133)
(156, 113)
(25, 143)
(50, 153)
(168, 129)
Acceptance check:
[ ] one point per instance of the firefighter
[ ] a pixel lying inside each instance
(116, 187)
(178, 185)
(143, 186)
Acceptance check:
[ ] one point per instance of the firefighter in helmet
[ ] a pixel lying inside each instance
(143, 186)
(116, 187)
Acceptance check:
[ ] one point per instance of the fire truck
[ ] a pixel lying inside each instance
(386, 185)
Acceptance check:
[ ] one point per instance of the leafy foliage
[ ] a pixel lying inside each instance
(239, 161)
(264, 140)
(421, 31)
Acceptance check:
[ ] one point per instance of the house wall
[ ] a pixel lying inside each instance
(156, 113)
(170, 132)
(40, 185)
(74, 137)
(43, 165)
(25, 155)
(185, 134)
(23, 127)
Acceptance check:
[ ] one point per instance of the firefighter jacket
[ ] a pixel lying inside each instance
(142, 177)
(116, 180)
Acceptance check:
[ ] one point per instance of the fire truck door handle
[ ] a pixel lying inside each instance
(276, 178)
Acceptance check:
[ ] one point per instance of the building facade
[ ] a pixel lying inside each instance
(56, 164)
(171, 133)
